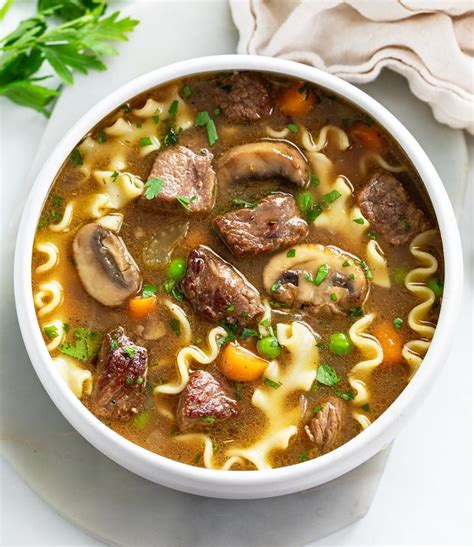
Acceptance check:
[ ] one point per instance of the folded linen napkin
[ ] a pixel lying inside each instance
(430, 42)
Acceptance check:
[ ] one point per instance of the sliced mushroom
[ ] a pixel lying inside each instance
(340, 286)
(106, 268)
(264, 160)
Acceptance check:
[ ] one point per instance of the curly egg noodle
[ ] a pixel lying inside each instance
(106, 171)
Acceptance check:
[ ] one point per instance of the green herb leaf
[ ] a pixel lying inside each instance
(397, 322)
(244, 203)
(86, 346)
(357, 312)
(209, 420)
(171, 137)
(102, 137)
(317, 409)
(292, 127)
(51, 331)
(238, 390)
(304, 456)
(272, 383)
(291, 253)
(247, 333)
(326, 375)
(365, 407)
(359, 220)
(276, 286)
(186, 91)
(149, 290)
(130, 351)
(186, 202)
(175, 326)
(314, 179)
(145, 141)
(347, 396)
(173, 110)
(76, 157)
(321, 275)
(153, 187)
(201, 119)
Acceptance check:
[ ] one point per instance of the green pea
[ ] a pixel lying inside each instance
(436, 285)
(176, 269)
(269, 347)
(340, 343)
(305, 201)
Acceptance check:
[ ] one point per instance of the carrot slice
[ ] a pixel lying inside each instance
(297, 100)
(240, 364)
(391, 342)
(369, 137)
(139, 308)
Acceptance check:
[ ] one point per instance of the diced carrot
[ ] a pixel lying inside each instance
(141, 307)
(370, 137)
(391, 342)
(297, 100)
(240, 364)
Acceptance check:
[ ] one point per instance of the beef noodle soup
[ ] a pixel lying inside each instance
(237, 271)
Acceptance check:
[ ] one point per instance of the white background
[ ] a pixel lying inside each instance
(425, 494)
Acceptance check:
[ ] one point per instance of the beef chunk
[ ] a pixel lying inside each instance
(185, 175)
(389, 208)
(242, 96)
(204, 401)
(217, 290)
(119, 388)
(269, 226)
(325, 429)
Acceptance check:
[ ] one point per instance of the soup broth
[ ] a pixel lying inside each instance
(237, 271)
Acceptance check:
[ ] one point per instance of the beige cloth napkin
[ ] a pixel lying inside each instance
(430, 42)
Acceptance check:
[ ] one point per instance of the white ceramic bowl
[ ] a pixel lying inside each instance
(240, 484)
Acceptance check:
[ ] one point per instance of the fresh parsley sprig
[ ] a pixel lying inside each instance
(75, 45)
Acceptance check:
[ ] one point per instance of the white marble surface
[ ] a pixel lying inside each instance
(424, 495)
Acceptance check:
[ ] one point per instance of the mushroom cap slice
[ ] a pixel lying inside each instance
(264, 160)
(294, 280)
(105, 266)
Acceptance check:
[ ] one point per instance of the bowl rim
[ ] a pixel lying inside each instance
(241, 484)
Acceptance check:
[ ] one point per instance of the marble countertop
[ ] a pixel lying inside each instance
(424, 495)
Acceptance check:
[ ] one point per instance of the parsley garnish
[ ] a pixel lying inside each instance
(314, 179)
(346, 263)
(186, 202)
(145, 141)
(397, 322)
(203, 119)
(102, 137)
(173, 110)
(51, 331)
(153, 187)
(76, 157)
(276, 286)
(238, 390)
(209, 420)
(186, 91)
(321, 275)
(366, 407)
(359, 220)
(292, 127)
(326, 375)
(114, 176)
(86, 346)
(55, 213)
(244, 203)
(304, 456)
(76, 44)
(317, 409)
(130, 351)
(357, 312)
(171, 137)
(149, 290)
(249, 333)
(175, 326)
(347, 396)
(372, 235)
(291, 253)
(272, 383)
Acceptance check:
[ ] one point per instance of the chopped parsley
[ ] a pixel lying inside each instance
(126, 108)
(128, 380)
(175, 326)
(436, 285)
(139, 381)
(149, 290)
(153, 187)
(406, 226)
(291, 253)
(169, 286)
(276, 286)
(333, 297)
(292, 127)
(347, 396)
(76, 157)
(209, 420)
(365, 407)
(145, 141)
(272, 383)
(346, 264)
(317, 409)
(326, 375)
(238, 390)
(203, 119)
(186, 202)
(217, 111)
(173, 110)
(244, 203)
(51, 331)
(247, 333)
(314, 179)
(357, 312)
(304, 456)
(86, 346)
(265, 322)
(321, 275)
(102, 137)
(397, 322)
(359, 220)
(186, 91)
(171, 137)
(372, 235)
(156, 116)
(330, 197)
(230, 308)
(130, 351)
(114, 176)
(55, 213)
(114, 344)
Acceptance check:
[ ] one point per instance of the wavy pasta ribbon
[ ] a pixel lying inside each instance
(372, 353)
(78, 379)
(52, 256)
(192, 353)
(415, 281)
(374, 157)
(297, 374)
(48, 298)
(378, 265)
(180, 315)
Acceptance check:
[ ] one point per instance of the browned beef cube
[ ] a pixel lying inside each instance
(272, 224)
(241, 97)
(217, 290)
(119, 388)
(388, 207)
(204, 401)
(189, 181)
(326, 428)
